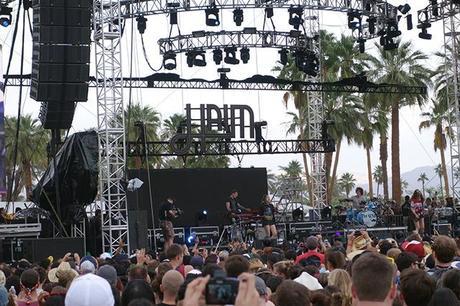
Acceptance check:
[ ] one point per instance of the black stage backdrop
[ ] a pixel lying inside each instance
(196, 190)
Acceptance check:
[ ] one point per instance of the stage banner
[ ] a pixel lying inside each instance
(2, 130)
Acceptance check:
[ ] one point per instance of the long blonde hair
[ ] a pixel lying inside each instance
(340, 279)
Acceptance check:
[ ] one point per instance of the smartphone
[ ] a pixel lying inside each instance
(221, 291)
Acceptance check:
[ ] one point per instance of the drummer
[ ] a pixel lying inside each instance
(359, 199)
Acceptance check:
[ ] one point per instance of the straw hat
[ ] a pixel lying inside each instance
(53, 274)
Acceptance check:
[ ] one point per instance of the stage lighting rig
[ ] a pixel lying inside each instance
(295, 16)
(5, 16)
(217, 56)
(212, 16)
(404, 9)
(354, 20)
(269, 12)
(307, 62)
(244, 54)
(283, 56)
(238, 16)
(169, 61)
(173, 17)
(230, 56)
(141, 24)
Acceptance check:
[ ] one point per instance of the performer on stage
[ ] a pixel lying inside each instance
(416, 207)
(168, 212)
(268, 214)
(359, 199)
(233, 207)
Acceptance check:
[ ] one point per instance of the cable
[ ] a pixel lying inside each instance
(145, 56)
(130, 95)
(18, 120)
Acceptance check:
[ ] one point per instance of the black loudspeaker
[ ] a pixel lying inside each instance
(55, 115)
(138, 229)
(34, 249)
(61, 56)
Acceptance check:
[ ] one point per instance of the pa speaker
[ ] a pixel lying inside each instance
(55, 115)
(138, 229)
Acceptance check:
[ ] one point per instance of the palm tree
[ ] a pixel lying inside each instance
(423, 178)
(151, 119)
(439, 117)
(439, 172)
(170, 126)
(404, 65)
(31, 158)
(404, 185)
(347, 182)
(378, 177)
(293, 169)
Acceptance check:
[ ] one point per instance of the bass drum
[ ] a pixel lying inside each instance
(367, 218)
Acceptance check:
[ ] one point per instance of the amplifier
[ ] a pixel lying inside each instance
(157, 234)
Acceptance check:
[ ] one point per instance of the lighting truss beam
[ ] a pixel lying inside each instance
(445, 9)
(222, 39)
(266, 83)
(234, 148)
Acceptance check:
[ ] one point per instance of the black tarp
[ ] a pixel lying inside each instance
(77, 166)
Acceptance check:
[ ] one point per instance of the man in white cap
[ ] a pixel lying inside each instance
(89, 290)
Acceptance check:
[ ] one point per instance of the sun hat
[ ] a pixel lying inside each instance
(53, 274)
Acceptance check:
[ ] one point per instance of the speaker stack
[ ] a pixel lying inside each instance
(60, 60)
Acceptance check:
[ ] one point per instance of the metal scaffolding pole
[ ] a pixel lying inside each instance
(451, 46)
(111, 129)
(316, 114)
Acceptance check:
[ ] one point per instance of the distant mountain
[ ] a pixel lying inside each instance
(412, 176)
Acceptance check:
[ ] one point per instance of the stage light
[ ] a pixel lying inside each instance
(434, 7)
(424, 34)
(244, 54)
(238, 16)
(392, 29)
(201, 217)
(283, 56)
(141, 24)
(371, 22)
(410, 26)
(389, 44)
(191, 239)
(169, 61)
(5, 16)
(295, 16)
(251, 30)
(362, 45)
(217, 56)
(297, 215)
(404, 9)
(212, 17)
(196, 58)
(269, 12)
(172, 17)
(307, 62)
(230, 56)
(352, 24)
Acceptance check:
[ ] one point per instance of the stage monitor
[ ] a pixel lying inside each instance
(196, 190)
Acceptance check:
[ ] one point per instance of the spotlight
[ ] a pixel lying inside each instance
(362, 45)
(169, 61)
(238, 16)
(297, 214)
(230, 56)
(5, 16)
(191, 238)
(424, 34)
(283, 56)
(217, 56)
(212, 17)
(393, 30)
(307, 62)
(434, 7)
(196, 58)
(141, 24)
(404, 9)
(372, 21)
(352, 24)
(244, 54)
(269, 12)
(202, 217)
(173, 17)
(295, 16)
(410, 26)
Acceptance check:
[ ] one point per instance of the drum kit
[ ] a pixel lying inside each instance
(367, 215)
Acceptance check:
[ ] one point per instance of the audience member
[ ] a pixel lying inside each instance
(444, 250)
(89, 290)
(170, 284)
(416, 287)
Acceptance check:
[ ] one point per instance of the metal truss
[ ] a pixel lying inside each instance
(449, 13)
(201, 40)
(166, 80)
(315, 115)
(234, 148)
(111, 128)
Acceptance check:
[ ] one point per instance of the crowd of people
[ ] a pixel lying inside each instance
(361, 270)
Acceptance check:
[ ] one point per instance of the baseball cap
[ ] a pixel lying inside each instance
(90, 259)
(108, 273)
(260, 286)
(88, 290)
(87, 267)
(416, 248)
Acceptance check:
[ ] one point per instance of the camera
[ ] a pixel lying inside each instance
(221, 290)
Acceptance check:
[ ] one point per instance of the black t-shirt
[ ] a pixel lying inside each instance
(405, 209)
(233, 205)
(163, 213)
(268, 212)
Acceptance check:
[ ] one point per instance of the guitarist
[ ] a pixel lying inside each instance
(168, 212)
(233, 207)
